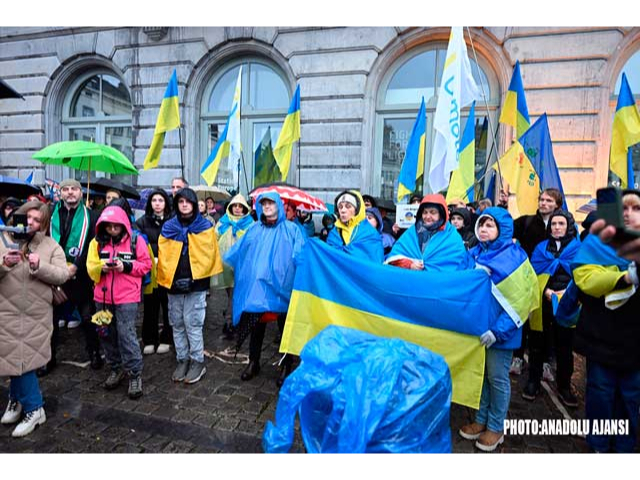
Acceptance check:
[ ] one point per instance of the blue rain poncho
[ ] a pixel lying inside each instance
(356, 392)
(263, 263)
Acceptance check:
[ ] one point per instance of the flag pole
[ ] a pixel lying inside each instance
(299, 176)
(181, 159)
(484, 97)
(244, 167)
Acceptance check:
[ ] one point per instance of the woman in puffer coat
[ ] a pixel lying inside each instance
(27, 274)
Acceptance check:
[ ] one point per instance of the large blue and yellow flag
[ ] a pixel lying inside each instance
(289, 134)
(529, 166)
(168, 119)
(413, 163)
(334, 288)
(626, 132)
(463, 177)
(219, 154)
(515, 111)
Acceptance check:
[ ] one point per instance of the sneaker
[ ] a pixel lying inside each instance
(12, 413)
(472, 431)
(30, 421)
(196, 372)
(114, 379)
(135, 387)
(61, 323)
(181, 371)
(73, 324)
(547, 373)
(516, 366)
(149, 349)
(488, 441)
(531, 391)
(163, 348)
(567, 397)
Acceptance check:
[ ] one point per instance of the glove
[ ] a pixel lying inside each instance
(487, 339)
(633, 273)
(483, 267)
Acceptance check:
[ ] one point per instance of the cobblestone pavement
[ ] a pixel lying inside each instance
(220, 413)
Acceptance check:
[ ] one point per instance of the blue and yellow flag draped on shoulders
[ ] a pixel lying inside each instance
(168, 119)
(546, 264)
(443, 312)
(413, 163)
(626, 132)
(289, 134)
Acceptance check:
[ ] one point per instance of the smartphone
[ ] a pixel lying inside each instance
(111, 264)
(610, 209)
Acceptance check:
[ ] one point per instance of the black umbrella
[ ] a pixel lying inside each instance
(104, 184)
(14, 187)
(6, 91)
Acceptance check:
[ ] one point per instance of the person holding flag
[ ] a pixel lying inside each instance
(626, 132)
(289, 134)
(457, 90)
(168, 119)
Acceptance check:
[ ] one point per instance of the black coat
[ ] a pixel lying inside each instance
(610, 337)
(151, 225)
(529, 230)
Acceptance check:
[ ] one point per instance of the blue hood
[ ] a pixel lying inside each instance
(505, 226)
(279, 205)
(378, 216)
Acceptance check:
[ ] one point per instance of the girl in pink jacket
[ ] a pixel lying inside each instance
(116, 262)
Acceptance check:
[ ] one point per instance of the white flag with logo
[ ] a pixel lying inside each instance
(233, 134)
(457, 90)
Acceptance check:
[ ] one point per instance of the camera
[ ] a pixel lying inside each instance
(611, 208)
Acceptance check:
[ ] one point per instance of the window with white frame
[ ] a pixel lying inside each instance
(414, 75)
(265, 101)
(97, 108)
(632, 70)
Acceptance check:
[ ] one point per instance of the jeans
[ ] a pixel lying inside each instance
(612, 394)
(186, 316)
(121, 346)
(26, 390)
(152, 303)
(496, 390)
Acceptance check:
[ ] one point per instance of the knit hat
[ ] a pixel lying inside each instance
(347, 197)
(70, 182)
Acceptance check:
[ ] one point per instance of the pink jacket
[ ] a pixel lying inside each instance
(121, 287)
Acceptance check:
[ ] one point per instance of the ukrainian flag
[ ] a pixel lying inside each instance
(168, 119)
(289, 134)
(220, 152)
(463, 177)
(530, 166)
(626, 132)
(334, 288)
(413, 163)
(515, 111)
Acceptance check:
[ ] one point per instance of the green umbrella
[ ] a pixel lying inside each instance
(86, 156)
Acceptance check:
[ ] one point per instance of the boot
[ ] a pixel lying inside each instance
(251, 371)
(285, 370)
(47, 369)
(96, 360)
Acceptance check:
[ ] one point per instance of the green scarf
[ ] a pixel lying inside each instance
(78, 234)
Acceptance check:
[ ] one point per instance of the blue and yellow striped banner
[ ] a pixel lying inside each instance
(443, 312)
(289, 134)
(626, 132)
(413, 163)
(515, 111)
(168, 119)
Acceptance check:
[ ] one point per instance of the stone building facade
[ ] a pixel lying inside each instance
(360, 91)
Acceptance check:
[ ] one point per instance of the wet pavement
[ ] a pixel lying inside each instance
(220, 413)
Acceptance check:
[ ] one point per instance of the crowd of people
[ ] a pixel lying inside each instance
(102, 263)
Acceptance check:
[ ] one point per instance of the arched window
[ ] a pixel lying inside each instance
(97, 108)
(632, 70)
(418, 74)
(265, 101)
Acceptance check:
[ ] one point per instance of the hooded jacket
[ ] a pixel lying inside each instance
(25, 306)
(11, 201)
(357, 236)
(117, 288)
(516, 288)
(439, 247)
(187, 247)
(466, 232)
(263, 261)
(150, 225)
(387, 240)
